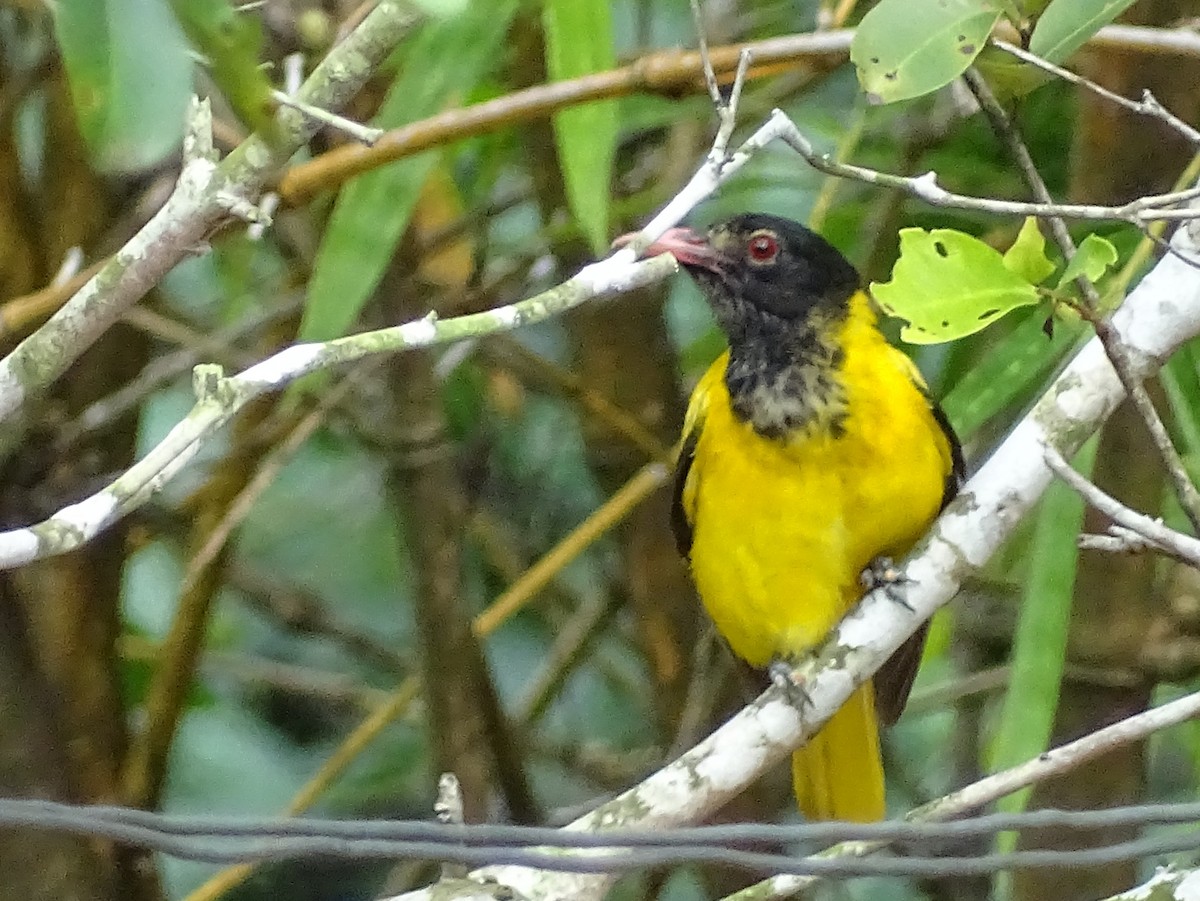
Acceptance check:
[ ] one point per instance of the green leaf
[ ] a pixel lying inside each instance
(1040, 644)
(231, 42)
(1027, 256)
(372, 211)
(442, 9)
(1092, 259)
(947, 285)
(130, 79)
(1066, 25)
(905, 49)
(579, 41)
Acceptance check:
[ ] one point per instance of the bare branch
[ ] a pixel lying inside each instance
(710, 76)
(1178, 545)
(206, 196)
(359, 132)
(925, 188)
(219, 396)
(1149, 105)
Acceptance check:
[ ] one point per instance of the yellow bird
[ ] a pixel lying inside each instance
(811, 450)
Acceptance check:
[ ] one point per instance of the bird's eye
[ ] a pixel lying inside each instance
(763, 248)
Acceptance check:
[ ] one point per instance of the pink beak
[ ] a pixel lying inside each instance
(688, 246)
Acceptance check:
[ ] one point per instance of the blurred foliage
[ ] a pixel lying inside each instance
(314, 623)
(130, 79)
(231, 44)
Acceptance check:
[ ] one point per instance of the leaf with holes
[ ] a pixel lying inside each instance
(948, 285)
(905, 49)
(1091, 260)
(1067, 24)
(1027, 256)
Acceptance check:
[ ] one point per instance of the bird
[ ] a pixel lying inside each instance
(812, 454)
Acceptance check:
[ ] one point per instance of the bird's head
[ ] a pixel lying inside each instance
(766, 265)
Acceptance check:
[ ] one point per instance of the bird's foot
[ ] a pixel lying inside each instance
(882, 572)
(784, 677)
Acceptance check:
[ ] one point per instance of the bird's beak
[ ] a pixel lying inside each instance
(688, 246)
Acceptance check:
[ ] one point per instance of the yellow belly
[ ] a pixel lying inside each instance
(782, 529)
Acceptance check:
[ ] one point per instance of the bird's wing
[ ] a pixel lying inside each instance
(681, 516)
(895, 678)
(684, 489)
(958, 467)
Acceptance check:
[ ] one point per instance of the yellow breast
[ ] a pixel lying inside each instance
(782, 528)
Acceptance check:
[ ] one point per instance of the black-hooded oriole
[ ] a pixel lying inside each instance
(811, 448)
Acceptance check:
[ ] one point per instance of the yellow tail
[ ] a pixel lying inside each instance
(838, 775)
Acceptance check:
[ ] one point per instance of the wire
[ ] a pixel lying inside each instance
(23, 812)
(222, 840)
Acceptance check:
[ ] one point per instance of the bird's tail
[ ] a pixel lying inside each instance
(838, 775)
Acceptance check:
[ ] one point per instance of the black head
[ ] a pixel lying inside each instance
(766, 264)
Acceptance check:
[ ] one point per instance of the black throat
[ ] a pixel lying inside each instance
(784, 376)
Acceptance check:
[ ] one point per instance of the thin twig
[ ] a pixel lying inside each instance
(1008, 134)
(926, 188)
(710, 76)
(1122, 541)
(1118, 354)
(1178, 545)
(1149, 105)
(362, 133)
(728, 113)
(726, 109)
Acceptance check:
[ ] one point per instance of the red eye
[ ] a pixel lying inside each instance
(763, 248)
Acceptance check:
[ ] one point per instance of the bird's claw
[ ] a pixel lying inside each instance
(783, 676)
(882, 572)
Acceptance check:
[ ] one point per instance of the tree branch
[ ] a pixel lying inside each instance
(207, 195)
(219, 397)
(1182, 547)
